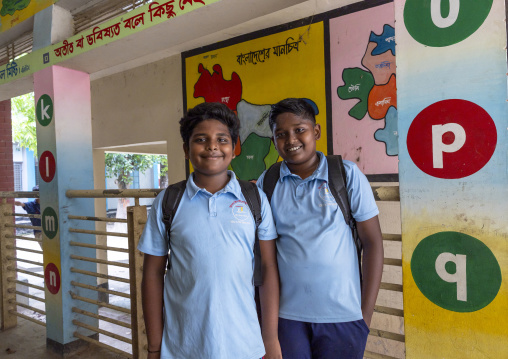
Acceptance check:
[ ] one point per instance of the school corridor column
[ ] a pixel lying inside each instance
(64, 146)
(453, 140)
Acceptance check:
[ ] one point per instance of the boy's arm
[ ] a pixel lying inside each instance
(21, 204)
(269, 299)
(369, 232)
(152, 289)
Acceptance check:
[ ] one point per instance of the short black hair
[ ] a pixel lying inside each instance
(296, 106)
(209, 111)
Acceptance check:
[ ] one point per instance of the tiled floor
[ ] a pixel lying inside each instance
(28, 341)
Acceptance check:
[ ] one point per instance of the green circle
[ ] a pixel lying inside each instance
(421, 26)
(482, 271)
(49, 223)
(44, 110)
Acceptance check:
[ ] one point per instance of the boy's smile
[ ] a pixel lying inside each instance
(210, 149)
(295, 139)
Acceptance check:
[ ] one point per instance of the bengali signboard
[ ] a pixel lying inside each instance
(136, 20)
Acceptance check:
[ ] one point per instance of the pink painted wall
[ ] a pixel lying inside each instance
(349, 43)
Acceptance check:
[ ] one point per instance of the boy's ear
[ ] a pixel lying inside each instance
(317, 131)
(186, 151)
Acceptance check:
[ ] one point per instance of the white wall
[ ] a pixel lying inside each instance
(138, 111)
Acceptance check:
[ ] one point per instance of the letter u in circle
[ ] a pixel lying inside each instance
(438, 19)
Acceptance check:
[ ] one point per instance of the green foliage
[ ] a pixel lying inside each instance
(163, 160)
(23, 122)
(121, 165)
(9, 7)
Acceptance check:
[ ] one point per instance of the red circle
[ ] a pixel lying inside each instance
(52, 278)
(478, 148)
(47, 166)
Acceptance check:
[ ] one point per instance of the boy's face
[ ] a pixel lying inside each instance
(210, 148)
(295, 138)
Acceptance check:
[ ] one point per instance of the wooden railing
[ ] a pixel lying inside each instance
(136, 219)
(131, 318)
(15, 292)
(386, 338)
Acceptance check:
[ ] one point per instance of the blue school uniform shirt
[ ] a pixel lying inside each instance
(33, 207)
(208, 292)
(317, 257)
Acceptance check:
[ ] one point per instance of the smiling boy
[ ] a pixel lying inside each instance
(204, 307)
(324, 312)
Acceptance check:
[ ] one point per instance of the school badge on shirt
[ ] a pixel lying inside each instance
(326, 195)
(241, 212)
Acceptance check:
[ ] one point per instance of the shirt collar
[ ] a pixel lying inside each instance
(232, 187)
(321, 172)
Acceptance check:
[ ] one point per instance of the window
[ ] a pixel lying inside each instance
(135, 181)
(18, 178)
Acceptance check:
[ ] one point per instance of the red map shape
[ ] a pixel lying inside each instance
(381, 98)
(214, 88)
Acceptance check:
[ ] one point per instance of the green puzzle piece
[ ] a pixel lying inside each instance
(357, 84)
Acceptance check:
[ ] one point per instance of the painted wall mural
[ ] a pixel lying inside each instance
(363, 81)
(250, 76)
(452, 90)
(12, 12)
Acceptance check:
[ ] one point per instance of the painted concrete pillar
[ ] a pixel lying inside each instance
(63, 113)
(452, 91)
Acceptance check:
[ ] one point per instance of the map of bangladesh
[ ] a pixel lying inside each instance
(375, 89)
(254, 150)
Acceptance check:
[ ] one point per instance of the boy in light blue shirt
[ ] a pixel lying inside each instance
(204, 307)
(324, 314)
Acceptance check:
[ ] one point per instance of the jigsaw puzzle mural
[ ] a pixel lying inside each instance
(250, 76)
(363, 88)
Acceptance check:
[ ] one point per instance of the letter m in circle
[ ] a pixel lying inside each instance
(50, 223)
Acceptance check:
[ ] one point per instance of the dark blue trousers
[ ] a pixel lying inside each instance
(300, 340)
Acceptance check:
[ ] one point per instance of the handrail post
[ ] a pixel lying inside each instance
(7, 289)
(136, 217)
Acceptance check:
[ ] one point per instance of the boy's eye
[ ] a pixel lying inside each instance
(223, 140)
(279, 135)
(300, 129)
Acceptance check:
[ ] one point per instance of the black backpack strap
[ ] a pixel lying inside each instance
(251, 194)
(337, 183)
(170, 202)
(272, 175)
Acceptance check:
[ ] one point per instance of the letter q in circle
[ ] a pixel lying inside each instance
(452, 139)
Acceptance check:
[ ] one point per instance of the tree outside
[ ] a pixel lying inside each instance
(23, 122)
(121, 166)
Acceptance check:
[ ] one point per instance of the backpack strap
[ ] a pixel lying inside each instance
(253, 199)
(337, 183)
(272, 175)
(170, 202)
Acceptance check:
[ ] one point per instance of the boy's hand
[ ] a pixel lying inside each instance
(367, 318)
(272, 348)
(154, 355)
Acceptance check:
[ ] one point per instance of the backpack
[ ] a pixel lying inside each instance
(337, 185)
(172, 199)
